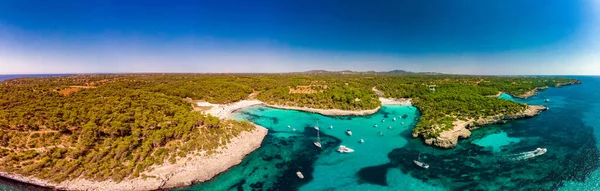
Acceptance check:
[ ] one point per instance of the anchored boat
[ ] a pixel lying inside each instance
(318, 141)
(420, 163)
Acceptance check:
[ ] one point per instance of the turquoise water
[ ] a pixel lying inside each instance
(505, 96)
(496, 141)
(496, 157)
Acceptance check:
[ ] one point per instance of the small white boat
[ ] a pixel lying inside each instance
(317, 143)
(361, 141)
(540, 151)
(421, 164)
(547, 100)
(344, 149)
(331, 127)
(375, 125)
(349, 132)
(383, 120)
(380, 133)
(288, 126)
(294, 129)
(394, 119)
(300, 175)
(390, 127)
(403, 123)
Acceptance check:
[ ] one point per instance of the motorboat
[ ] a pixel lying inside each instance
(375, 125)
(394, 119)
(361, 141)
(349, 132)
(390, 127)
(539, 151)
(383, 120)
(331, 127)
(547, 100)
(300, 175)
(344, 149)
(288, 126)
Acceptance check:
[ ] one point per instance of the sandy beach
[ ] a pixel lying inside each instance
(224, 111)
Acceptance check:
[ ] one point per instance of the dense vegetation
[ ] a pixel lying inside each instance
(110, 131)
(114, 126)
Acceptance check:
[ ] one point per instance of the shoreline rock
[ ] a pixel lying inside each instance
(462, 129)
(534, 92)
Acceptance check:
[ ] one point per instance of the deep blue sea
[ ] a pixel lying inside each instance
(12, 76)
(496, 157)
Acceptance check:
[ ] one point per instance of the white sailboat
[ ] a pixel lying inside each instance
(361, 141)
(318, 142)
(331, 127)
(421, 164)
(394, 119)
(349, 132)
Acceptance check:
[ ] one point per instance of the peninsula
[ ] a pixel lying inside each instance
(153, 131)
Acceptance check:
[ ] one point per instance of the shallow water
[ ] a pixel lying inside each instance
(496, 157)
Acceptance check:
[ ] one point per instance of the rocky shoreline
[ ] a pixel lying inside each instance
(534, 92)
(461, 130)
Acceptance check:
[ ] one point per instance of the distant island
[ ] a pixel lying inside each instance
(153, 131)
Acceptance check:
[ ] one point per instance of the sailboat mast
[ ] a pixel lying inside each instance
(318, 136)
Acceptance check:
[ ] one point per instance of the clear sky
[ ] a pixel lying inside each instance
(449, 36)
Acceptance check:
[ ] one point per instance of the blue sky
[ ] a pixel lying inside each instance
(459, 36)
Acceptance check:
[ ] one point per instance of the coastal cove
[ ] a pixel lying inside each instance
(387, 131)
(385, 162)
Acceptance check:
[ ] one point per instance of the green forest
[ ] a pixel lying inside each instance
(116, 126)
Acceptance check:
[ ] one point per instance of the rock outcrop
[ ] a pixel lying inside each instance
(461, 129)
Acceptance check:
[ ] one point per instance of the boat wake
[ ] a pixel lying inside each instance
(524, 155)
